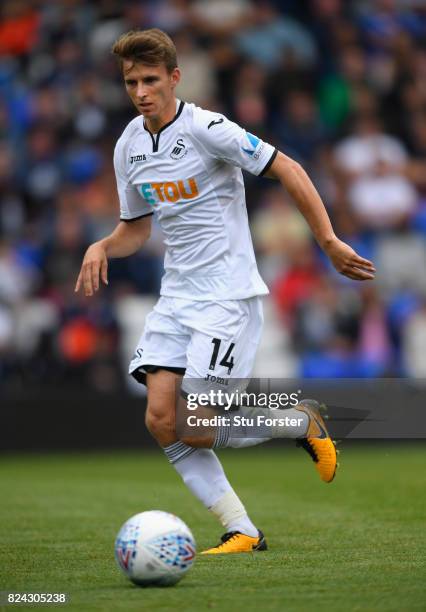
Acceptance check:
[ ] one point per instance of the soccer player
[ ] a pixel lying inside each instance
(183, 164)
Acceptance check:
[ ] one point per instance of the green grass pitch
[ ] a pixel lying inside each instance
(357, 544)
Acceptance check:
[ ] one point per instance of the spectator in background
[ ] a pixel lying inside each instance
(221, 18)
(382, 21)
(278, 229)
(382, 199)
(367, 146)
(338, 88)
(272, 39)
(298, 127)
(43, 173)
(198, 82)
(19, 28)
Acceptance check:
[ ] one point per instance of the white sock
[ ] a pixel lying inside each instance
(203, 474)
(234, 442)
(239, 434)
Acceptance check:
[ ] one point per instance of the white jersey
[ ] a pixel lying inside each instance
(189, 175)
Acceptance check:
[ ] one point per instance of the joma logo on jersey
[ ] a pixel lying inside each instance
(138, 158)
(171, 191)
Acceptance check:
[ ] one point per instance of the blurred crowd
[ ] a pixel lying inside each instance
(338, 85)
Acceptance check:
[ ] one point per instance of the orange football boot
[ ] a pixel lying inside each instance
(236, 542)
(317, 442)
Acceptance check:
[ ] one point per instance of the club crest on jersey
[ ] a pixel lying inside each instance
(179, 150)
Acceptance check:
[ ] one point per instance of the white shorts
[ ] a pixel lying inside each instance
(211, 341)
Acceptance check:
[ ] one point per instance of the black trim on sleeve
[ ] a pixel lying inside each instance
(136, 218)
(270, 162)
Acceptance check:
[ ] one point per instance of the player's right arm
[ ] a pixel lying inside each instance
(130, 234)
(126, 239)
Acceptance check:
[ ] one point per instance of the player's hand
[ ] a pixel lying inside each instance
(348, 262)
(93, 268)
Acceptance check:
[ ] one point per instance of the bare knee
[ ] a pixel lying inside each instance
(159, 421)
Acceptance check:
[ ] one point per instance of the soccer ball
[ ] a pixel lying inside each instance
(155, 548)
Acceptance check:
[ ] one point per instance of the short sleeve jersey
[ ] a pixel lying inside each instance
(189, 176)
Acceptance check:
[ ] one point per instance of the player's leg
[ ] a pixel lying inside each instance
(220, 357)
(309, 432)
(200, 469)
(216, 329)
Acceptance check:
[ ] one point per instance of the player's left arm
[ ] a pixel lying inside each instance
(298, 184)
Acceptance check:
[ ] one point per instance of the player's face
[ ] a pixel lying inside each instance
(151, 88)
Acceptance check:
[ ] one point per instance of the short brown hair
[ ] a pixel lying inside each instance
(152, 47)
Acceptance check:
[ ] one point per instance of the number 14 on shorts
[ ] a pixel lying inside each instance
(227, 360)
